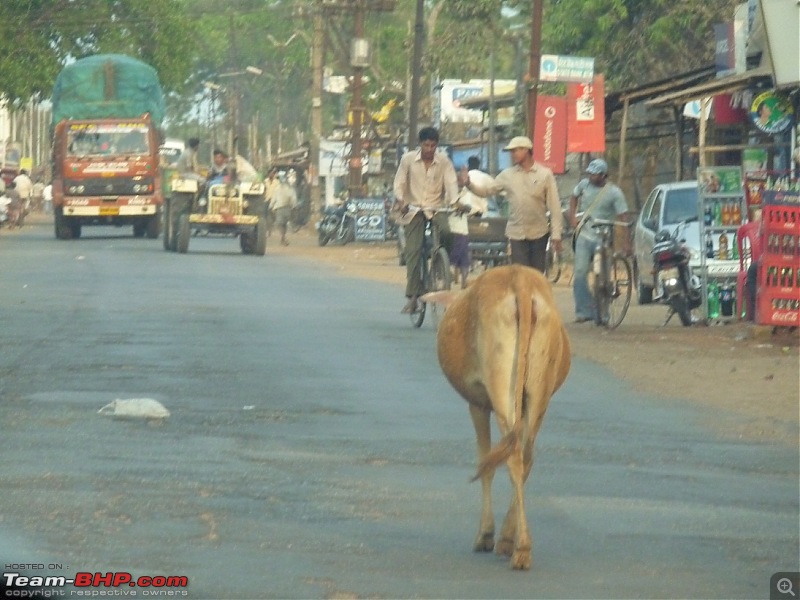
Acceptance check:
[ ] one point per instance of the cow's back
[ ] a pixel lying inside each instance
(478, 335)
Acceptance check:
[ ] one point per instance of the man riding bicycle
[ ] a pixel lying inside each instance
(425, 182)
(596, 198)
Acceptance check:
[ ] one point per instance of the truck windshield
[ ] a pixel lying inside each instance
(107, 139)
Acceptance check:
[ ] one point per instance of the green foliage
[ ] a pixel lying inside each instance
(37, 36)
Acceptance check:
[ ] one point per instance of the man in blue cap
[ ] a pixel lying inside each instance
(596, 198)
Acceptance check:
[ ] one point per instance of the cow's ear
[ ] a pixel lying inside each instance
(444, 297)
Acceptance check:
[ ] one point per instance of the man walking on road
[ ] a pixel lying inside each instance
(531, 191)
(425, 181)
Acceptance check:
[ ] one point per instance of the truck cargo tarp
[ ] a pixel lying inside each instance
(108, 86)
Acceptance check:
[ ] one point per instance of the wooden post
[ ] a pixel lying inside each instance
(623, 134)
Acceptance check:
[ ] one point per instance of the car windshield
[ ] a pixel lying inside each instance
(681, 205)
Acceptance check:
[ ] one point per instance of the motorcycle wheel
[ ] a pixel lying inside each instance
(681, 307)
(322, 239)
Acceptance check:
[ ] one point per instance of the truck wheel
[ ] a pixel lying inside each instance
(75, 228)
(182, 234)
(261, 237)
(139, 229)
(63, 230)
(153, 226)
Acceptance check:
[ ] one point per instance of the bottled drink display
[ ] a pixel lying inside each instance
(723, 246)
(713, 301)
(709, 245)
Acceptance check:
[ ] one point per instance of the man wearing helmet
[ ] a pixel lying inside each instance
(596, 198)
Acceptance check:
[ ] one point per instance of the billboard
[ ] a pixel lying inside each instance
(586, 127)
(550, 141)
(454, 91)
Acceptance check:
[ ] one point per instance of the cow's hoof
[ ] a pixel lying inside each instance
(484, 542)
(521, 560)
(505, 547)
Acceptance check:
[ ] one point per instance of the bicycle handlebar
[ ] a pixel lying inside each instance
(606, 223)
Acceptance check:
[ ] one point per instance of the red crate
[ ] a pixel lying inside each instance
(778, 292)
(781, 218)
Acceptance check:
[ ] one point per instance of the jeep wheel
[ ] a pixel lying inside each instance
(261, 237)
(168, 227)
(246, 242)
(182, 232)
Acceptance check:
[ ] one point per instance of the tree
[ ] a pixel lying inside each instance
(38, 36)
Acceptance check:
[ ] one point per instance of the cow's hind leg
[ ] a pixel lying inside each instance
(480, 419)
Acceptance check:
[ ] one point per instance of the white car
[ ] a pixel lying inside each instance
(668, 205)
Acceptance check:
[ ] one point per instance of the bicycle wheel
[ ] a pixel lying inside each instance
(440, 279)
(418, 315)
(601, 294)
(620, 286)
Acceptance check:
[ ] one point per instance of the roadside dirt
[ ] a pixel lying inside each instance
(733, 369)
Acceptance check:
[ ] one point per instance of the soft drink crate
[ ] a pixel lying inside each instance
(781, 218)
(778, 297)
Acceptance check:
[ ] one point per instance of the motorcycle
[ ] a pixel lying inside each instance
(338, 224)
(678, 287)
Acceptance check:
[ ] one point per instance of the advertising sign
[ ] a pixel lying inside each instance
(586, 116)
(719, 180)
(579, 69)
(771, 112)
(455, 91)
(782, 24)
(550, 141)
(370, 220)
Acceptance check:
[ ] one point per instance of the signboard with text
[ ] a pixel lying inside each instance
(566, 68)
(370, 220)
(550, 141)
(586, 127)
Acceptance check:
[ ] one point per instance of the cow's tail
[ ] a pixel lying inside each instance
(525, 320)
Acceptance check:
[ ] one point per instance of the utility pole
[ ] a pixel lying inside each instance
(533, 68)
(356, 102)
(317, 52)
(416, 73)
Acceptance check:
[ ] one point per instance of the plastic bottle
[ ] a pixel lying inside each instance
(734, 248)
(736, 214)
(726, 300)
(713, 301)
(723, 246)
(708, 217)
(725, 213)
(709, 245)
(717, 214)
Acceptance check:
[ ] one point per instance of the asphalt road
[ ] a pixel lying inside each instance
(314, 449)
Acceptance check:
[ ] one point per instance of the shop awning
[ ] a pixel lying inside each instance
(721, 85)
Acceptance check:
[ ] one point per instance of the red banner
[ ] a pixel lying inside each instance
(586, 116)
(550, 141)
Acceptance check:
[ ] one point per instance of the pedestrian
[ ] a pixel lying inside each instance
(188, 164)
(283, 200)
(47, 197)
(531, 191)
(425, 181)
(468, 204)
(596, 198)
(37, 195)
(24, 187)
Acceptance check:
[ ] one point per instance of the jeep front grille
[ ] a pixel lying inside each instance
(225, 206)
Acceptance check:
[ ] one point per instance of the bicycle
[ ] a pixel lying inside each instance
(435, 271)
(613, 278)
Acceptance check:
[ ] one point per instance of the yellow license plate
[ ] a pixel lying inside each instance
(106, 211)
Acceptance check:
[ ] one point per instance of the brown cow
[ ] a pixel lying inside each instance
(503, 347)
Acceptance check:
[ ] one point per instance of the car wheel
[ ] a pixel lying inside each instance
(644, 294)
